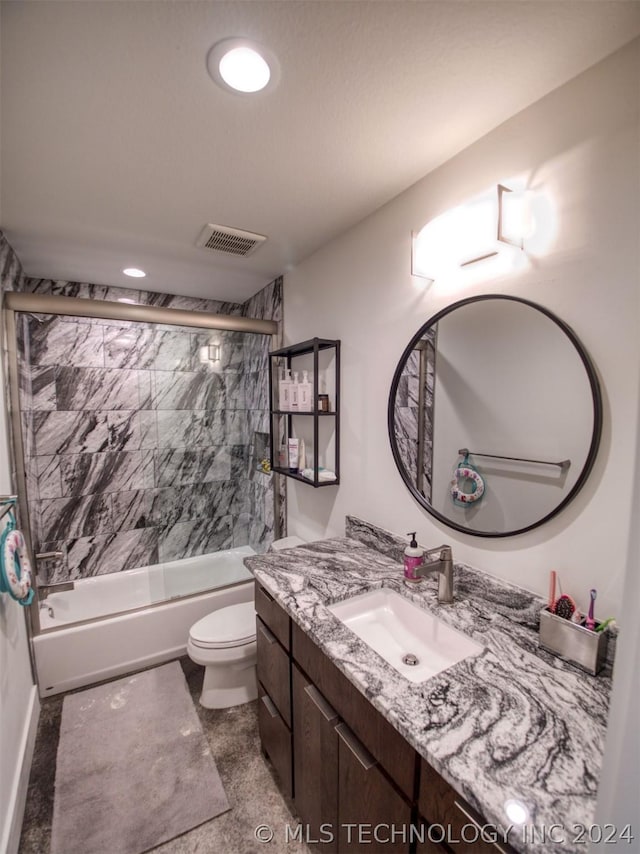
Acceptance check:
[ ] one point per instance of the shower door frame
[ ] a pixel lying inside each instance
(98, 309)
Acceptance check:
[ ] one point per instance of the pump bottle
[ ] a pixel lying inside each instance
(413, 557)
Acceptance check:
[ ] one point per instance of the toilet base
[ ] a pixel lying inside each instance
(230, 688)
(230, 679)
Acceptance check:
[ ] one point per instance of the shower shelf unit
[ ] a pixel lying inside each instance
(308, 356)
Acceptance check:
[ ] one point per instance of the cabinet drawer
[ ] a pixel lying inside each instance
(273, 670)
(442, 805)
(390, 749)
(272, 615)
(275, 736)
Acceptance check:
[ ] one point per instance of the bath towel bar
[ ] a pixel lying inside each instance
(563, 464)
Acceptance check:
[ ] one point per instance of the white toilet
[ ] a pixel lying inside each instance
(225, 643)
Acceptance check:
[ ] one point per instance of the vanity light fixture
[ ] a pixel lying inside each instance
(515, 222)
(134, 272)
(242, 66)
(214, 352)
(494, 225)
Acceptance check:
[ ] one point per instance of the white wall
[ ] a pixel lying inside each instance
(579, 144)
(19, 706)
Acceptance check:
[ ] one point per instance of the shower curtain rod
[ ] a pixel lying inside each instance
(78, 307)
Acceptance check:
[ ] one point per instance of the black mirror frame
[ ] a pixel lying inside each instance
(597, 414)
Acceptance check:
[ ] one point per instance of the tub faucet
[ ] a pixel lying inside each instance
(439, 560)
(45, 589)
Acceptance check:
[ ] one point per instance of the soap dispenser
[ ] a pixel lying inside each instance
(413, 557)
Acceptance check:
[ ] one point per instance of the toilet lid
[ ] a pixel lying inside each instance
(234, 625)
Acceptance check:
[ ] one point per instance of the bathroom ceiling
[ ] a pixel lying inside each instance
(117, 147)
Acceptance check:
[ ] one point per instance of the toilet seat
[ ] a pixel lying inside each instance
(228, 627)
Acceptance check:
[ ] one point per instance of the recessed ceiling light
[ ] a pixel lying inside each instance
(134, 272)
(242, 66)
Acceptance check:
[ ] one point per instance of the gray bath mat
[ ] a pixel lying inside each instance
(134, 768)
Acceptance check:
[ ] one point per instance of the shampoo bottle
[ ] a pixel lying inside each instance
(284, 389)
(413, 557)
(293, 392)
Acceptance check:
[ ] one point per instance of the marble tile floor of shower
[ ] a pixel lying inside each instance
(232, 735)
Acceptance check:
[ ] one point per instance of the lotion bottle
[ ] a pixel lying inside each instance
(413, 557)
(305, 397)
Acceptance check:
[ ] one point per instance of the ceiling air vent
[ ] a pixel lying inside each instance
(232, 241)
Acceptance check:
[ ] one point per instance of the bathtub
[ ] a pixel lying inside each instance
(132, 619)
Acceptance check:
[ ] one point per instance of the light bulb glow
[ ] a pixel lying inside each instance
(244, 69)
(516, 811)
(134, 272)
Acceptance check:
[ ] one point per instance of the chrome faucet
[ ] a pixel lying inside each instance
(58, 587)
(439, 560)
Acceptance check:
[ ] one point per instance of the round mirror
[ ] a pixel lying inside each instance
(494, 415)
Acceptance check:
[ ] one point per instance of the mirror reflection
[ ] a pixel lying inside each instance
(494, 415)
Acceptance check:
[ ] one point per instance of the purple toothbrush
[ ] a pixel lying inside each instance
(590, 623)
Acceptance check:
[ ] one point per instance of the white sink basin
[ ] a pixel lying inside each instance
(394, 627)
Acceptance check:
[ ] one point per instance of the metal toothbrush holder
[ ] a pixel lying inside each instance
(573, 642)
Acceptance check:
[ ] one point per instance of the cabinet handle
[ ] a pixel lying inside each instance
(328, 712)
(359, 750)
(479, 827)
(270, 705)
(265, 594)
(270, 638)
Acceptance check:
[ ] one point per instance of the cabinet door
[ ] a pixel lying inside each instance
(371, 812)
(315, 762)
(442, 806)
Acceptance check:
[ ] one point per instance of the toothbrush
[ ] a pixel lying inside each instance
(590, 622)
(610, 621)
(552, 589)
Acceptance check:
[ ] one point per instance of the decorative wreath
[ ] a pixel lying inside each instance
(466, 471)
(15, 567)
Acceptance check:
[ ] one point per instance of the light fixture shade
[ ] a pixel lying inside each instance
(488, 232)
(214, 352)
(243, 67)
(515, 219)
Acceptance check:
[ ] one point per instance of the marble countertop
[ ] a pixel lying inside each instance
(511, 722)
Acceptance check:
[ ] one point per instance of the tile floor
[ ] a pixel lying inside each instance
(247, 778)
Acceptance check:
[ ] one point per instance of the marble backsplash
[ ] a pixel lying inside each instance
(138, 448)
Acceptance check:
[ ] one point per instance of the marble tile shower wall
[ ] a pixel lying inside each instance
(266, 305)
(138, 449)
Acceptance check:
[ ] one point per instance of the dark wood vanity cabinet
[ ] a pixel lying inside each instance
(274, 686)
(353, 778)
(444, 807)
(370, 809)
(315, 761)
